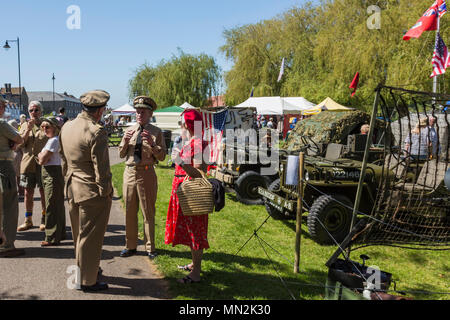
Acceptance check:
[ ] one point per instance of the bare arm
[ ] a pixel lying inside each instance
(193, 171)
(44, 157)
(26, 129)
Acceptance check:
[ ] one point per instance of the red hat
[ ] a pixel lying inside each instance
(190, 116)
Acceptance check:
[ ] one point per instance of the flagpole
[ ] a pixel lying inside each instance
(435, 78)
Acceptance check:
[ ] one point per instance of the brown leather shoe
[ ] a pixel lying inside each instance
(27, 225)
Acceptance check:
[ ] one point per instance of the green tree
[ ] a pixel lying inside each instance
(325, 45)
(183, 78)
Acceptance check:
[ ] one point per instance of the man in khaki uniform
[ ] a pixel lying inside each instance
(9, 206)
(30, 171)
(142, 146)
(85, 162)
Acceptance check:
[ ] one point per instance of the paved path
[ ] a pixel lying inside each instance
(42, 272)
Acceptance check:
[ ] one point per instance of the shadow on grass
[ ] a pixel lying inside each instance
(417, 257)
(227, 276)
(232, 197)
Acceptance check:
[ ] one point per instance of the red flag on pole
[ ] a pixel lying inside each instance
(428, 21)
(354, 84)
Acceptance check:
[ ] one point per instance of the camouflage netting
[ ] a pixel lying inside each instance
(412, 204)
(326, 127)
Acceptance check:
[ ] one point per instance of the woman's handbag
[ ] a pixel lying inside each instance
(196, 196)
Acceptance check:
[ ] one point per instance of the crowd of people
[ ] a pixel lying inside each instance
(423, 142)
(71, 159)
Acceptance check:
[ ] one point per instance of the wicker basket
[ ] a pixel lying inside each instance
(196, 196)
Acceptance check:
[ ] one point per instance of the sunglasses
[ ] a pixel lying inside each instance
(34, 110)
(45, 127)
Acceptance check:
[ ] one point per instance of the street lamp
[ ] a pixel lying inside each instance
(7, 47)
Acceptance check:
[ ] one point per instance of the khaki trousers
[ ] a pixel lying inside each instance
(89, 220)
(140, 187)
(10, 204)
(55, 212)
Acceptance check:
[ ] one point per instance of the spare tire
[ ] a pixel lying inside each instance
(246, 187)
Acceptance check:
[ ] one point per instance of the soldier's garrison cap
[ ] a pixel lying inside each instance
(95, 99)
(144, 102)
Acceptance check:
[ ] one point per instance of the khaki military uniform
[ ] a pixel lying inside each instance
(85, 161)
(30, 171)
(140, 184)
(9, 209)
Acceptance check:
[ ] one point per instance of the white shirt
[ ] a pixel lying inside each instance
(53, 146)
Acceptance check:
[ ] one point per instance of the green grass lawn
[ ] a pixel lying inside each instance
(251, 274)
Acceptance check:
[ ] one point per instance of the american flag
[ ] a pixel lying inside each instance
(213, 126)
(441, 58)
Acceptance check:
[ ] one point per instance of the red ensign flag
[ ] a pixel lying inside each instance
(354, 84)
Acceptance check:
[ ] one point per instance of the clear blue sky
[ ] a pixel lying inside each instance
(115, 38)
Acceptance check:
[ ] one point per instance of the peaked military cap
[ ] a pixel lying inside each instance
(144, 102)
(95, 99)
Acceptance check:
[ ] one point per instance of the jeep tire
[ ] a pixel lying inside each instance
(334, 216)
(246, 187)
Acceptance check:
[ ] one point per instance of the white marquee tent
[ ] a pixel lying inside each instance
(277, 105)
(186, 105)
(125, 110)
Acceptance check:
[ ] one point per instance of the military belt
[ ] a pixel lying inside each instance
(141, 167)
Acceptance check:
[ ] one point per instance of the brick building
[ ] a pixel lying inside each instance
(15, 96)
(69, 102)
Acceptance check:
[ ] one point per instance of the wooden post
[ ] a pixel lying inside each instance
(298, 236)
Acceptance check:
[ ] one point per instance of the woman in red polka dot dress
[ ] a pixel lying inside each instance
(191, 231)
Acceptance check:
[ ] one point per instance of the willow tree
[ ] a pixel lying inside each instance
(325, 45)
(183, 78)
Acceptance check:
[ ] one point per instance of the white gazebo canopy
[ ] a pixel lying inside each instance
(186, 105)
(277, 105)
(125, 110)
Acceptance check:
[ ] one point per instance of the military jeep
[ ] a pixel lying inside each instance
(334, 149)
(244, 171)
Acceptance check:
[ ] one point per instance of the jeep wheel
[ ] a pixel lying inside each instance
(246, 187)
(274, 212)
(333, 215)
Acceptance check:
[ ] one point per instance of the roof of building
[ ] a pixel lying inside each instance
(14, 91)
(48, 96)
